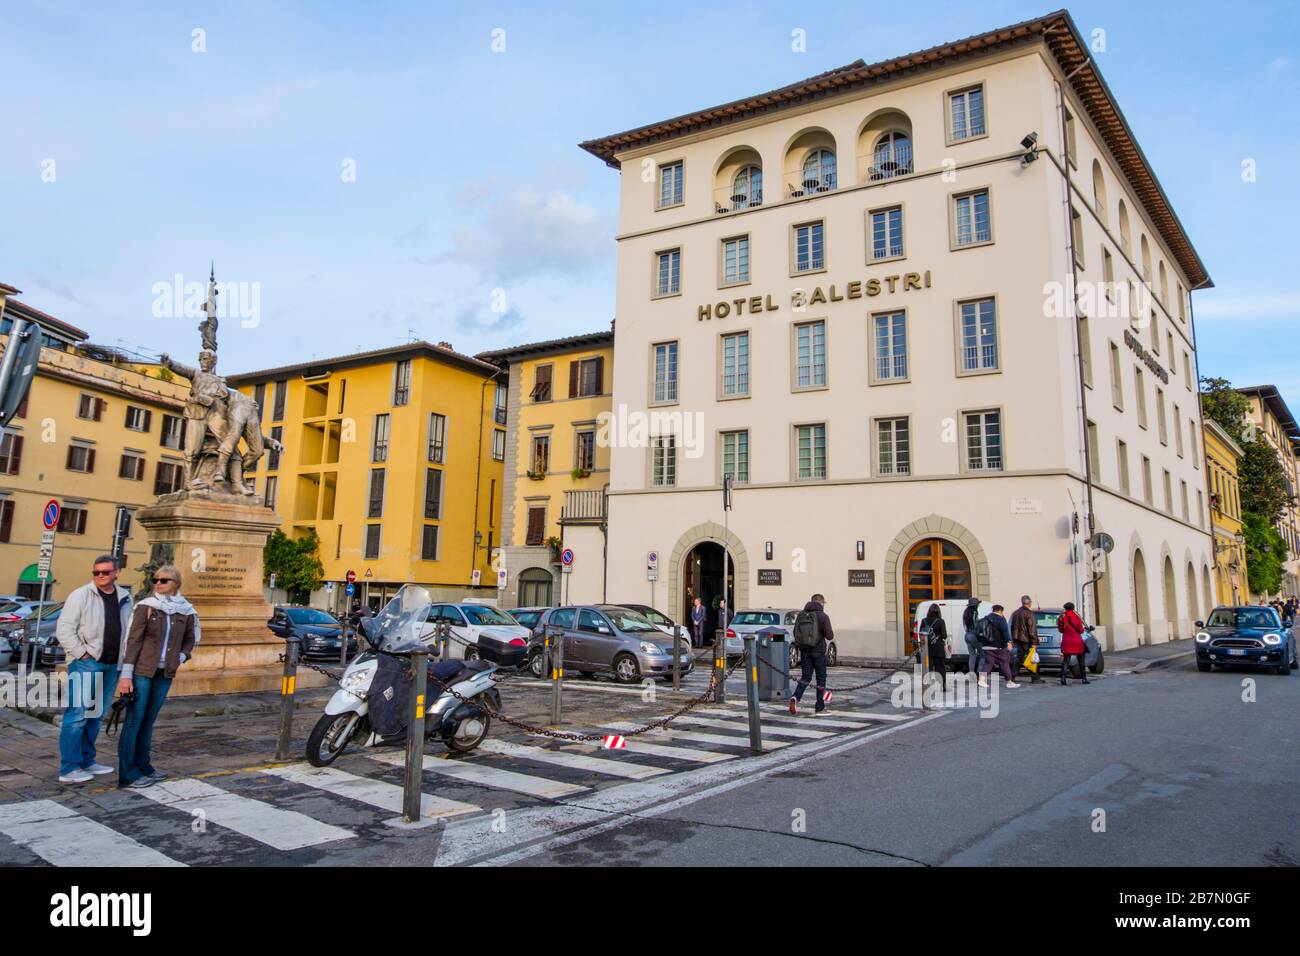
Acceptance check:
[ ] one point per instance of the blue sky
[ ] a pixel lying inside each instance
(467, 173)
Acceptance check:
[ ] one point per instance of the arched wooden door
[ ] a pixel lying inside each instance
(934, 570)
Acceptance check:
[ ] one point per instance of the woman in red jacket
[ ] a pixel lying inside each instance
(1071, 627)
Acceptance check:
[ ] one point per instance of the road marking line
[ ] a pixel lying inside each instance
(860, 714)
(821, 721)
(742, 727)
(639, 745)
(377, 793)
(66, 838)
(486, 776)
(255, 819)
(700, 738)
(615, 768)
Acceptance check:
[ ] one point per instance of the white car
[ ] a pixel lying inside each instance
(952, 611)
(468, 620)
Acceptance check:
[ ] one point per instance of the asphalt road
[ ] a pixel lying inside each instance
(1186, 772)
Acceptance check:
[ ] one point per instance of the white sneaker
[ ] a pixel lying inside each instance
(984, 681)
(1012, 684)
(77, 776)
(99, 769)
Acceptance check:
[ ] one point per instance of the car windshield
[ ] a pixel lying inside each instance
(526, 618)
(1261, 617)
(629, 621)
(310, 615)
(483, 615)
(657, 617)
(757, 617)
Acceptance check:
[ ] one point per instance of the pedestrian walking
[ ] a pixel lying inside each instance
(1024, 632)
(698, 617)
(935, 632)
(994, 633)
(812, 631)
(90, 630)
(1071, 627)
(164, 630)
(969, 617)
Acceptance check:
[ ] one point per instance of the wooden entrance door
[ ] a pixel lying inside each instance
(934, 570)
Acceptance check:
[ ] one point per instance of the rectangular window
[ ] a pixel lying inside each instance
(375, 507)
(259, 397)
(1116, 378)
(1178, 432)
(1139, 387)
(665, 372)
(668, 272)
(1169, 491)
(810, 451)
(90, 408)
(6, 519)
(437, 438)
(587, 377)
(809, 248)
(971, 223)
(1122, 459)
(735, 455)
(11, 453)
(1147, 494)
(271, 492)
(432, 494)
(374, 535)
(1108, 273)
(584, 446)
(277, 407)
(81, 458)
(1183, 491)
(138, 419)
(1193, 442)
(670, 185)
(1076, 233)
(890, 330)
(663, 471)
(735, 364)
(810, 354)
(893, 447)
(131, 467)
(735, 260)
(167, 477)
(273, 456)
(1094, 451)
(72, 519)
(173, 432)
(429, 543)
(536, 532)
(1169, 343)
(984, 441)
(499, 406)
(1162, 426)
(402, 382)
(1155, 334)
(542, 383)
(379, 446)
(979, 336)
(498, 445)
(343, 397)
(1187, 370)
(540, 456)
(966, 113)
(886, 233)
(1070, 152)
(1200, 510)
(1085, 349)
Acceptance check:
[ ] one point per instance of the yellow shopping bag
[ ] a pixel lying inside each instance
(1031, 662)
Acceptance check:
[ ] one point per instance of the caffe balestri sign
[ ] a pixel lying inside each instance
(804, 298)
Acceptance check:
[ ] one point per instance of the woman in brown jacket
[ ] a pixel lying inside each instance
(164, 630)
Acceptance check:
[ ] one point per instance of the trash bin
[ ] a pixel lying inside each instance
(774, 664)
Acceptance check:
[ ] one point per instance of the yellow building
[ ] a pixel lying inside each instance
(394, 457)
(1221, 455)
(556, 470)
(102, 433)
(1275, 422)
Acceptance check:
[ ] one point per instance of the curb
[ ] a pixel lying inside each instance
(1158, 661)
(26, 722)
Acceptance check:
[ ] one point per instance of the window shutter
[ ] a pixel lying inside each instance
(15, 454)
(124, 467)
(100, 405)
(573, 379)
(600, 375)
(90, 460)
(536, 526)
(148, 420)
(158, 488)
(69, 461)
(6, 519)
(127, 416)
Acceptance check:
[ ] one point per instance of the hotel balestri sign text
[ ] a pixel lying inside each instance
(803, 298)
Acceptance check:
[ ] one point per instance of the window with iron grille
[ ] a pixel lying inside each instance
(379, 448)
(810, 447)
(429, 543)
(72, 519)
(273, 456)
(664, 460)
(966, 112)
(432, 493)
(665, 372)
(131, 467)
(971, 223)
(984, 441)
(735, 455)
(374, 534)
(437, 438)
(542, 383)
(979, 336)
(375, 507)
(893, 447)
(402, 383)
(735, 364)
(887, 233)
(81, 458)
(891, 346)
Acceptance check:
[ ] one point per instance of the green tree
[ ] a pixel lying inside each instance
(296, 565)
(1261, 481)
(1221, 402)
(1265, 554)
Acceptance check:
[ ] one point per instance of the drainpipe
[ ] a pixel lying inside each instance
(604, 533)
(478, 473)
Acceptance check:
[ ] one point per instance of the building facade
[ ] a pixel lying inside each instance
(1231, 586)
(854, 295)
(394, 458)
(555, 469)
(1273, 419)
(100, 432)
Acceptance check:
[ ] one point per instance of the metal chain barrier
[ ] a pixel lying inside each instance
(317, 668)
(788, 676)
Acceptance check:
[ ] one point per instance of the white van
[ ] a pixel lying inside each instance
(952, 612)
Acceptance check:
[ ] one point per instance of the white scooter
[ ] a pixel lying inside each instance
(371, 704)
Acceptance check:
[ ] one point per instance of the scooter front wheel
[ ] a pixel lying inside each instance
(469, 733)
(330, 737)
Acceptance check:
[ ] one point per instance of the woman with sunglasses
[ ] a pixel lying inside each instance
(164, 630)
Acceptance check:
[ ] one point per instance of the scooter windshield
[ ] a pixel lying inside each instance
(402, 620)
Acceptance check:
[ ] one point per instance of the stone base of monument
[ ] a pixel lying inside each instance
(216, 540)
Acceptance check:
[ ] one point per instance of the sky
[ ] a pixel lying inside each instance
(368, 173)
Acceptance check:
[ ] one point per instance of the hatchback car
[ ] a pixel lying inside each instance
(662, 621)
(320, 632)
(468, 620)
(527, 616)
(753, 621)
(609, 639)
(1245, 636)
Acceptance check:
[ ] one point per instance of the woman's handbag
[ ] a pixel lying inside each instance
(115, 714)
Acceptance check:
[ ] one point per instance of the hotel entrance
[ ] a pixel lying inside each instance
(702, 578)
(934, 570)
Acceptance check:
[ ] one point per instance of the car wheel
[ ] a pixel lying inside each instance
(1204, 666)
(1285, 667)
(794, 657)
(471, 653)
(537, 663)
(1100, 665)
(626, 669)
(832, 655)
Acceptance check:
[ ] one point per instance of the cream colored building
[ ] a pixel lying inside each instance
(1275, 422)
(852, 293)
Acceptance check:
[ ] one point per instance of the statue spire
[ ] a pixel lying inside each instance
(208, 327)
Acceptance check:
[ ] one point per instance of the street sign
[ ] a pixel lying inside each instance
(651, 574)
(370, 573)
(351, 576)
(566, 558)
(271, 580)
(652, 560)
(350, 589)
(329, 586)
(476, 577)
(501, 577)
(567, 569)
(46, 556)
(50, 515)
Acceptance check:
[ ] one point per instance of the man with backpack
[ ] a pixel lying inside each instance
(994, 635)
(812, 631)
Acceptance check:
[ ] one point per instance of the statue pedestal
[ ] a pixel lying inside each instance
(216, 540)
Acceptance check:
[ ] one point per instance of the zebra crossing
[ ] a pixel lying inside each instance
(296, 813)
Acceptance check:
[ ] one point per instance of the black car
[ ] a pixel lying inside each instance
(1248, 635)
(320, 632)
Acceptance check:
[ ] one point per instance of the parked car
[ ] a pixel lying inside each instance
(662, 621)
(609, 639)
(1252, 636)
(1049, 643)
(952, 611)
(468, 620)
(43, 649)
(13, 613)
(321, 633)
(754, 620)
(527, 616)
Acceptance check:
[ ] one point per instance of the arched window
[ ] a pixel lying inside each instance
(819, 171)
(535, 588)
(892, 156)
(1126, 243)
(1099, 191)
(747, 187)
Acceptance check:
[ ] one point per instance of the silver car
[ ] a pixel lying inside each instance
(609, 639)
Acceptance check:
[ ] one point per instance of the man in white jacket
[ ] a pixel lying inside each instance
(92, 630)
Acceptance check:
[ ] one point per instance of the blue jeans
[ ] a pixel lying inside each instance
(808, 663)
(91, 686)
(975, 652)
(135, 743)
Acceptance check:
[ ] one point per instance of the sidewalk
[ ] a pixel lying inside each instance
(1151, 655)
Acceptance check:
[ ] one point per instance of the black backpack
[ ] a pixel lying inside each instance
(986, 633)
(807, 629)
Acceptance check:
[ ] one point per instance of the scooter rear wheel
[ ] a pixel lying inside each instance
(469, 733)
(330, 737)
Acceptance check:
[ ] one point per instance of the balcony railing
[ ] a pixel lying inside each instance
(877, 168)
(800, 183)
(726, 199)
(583, 507)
